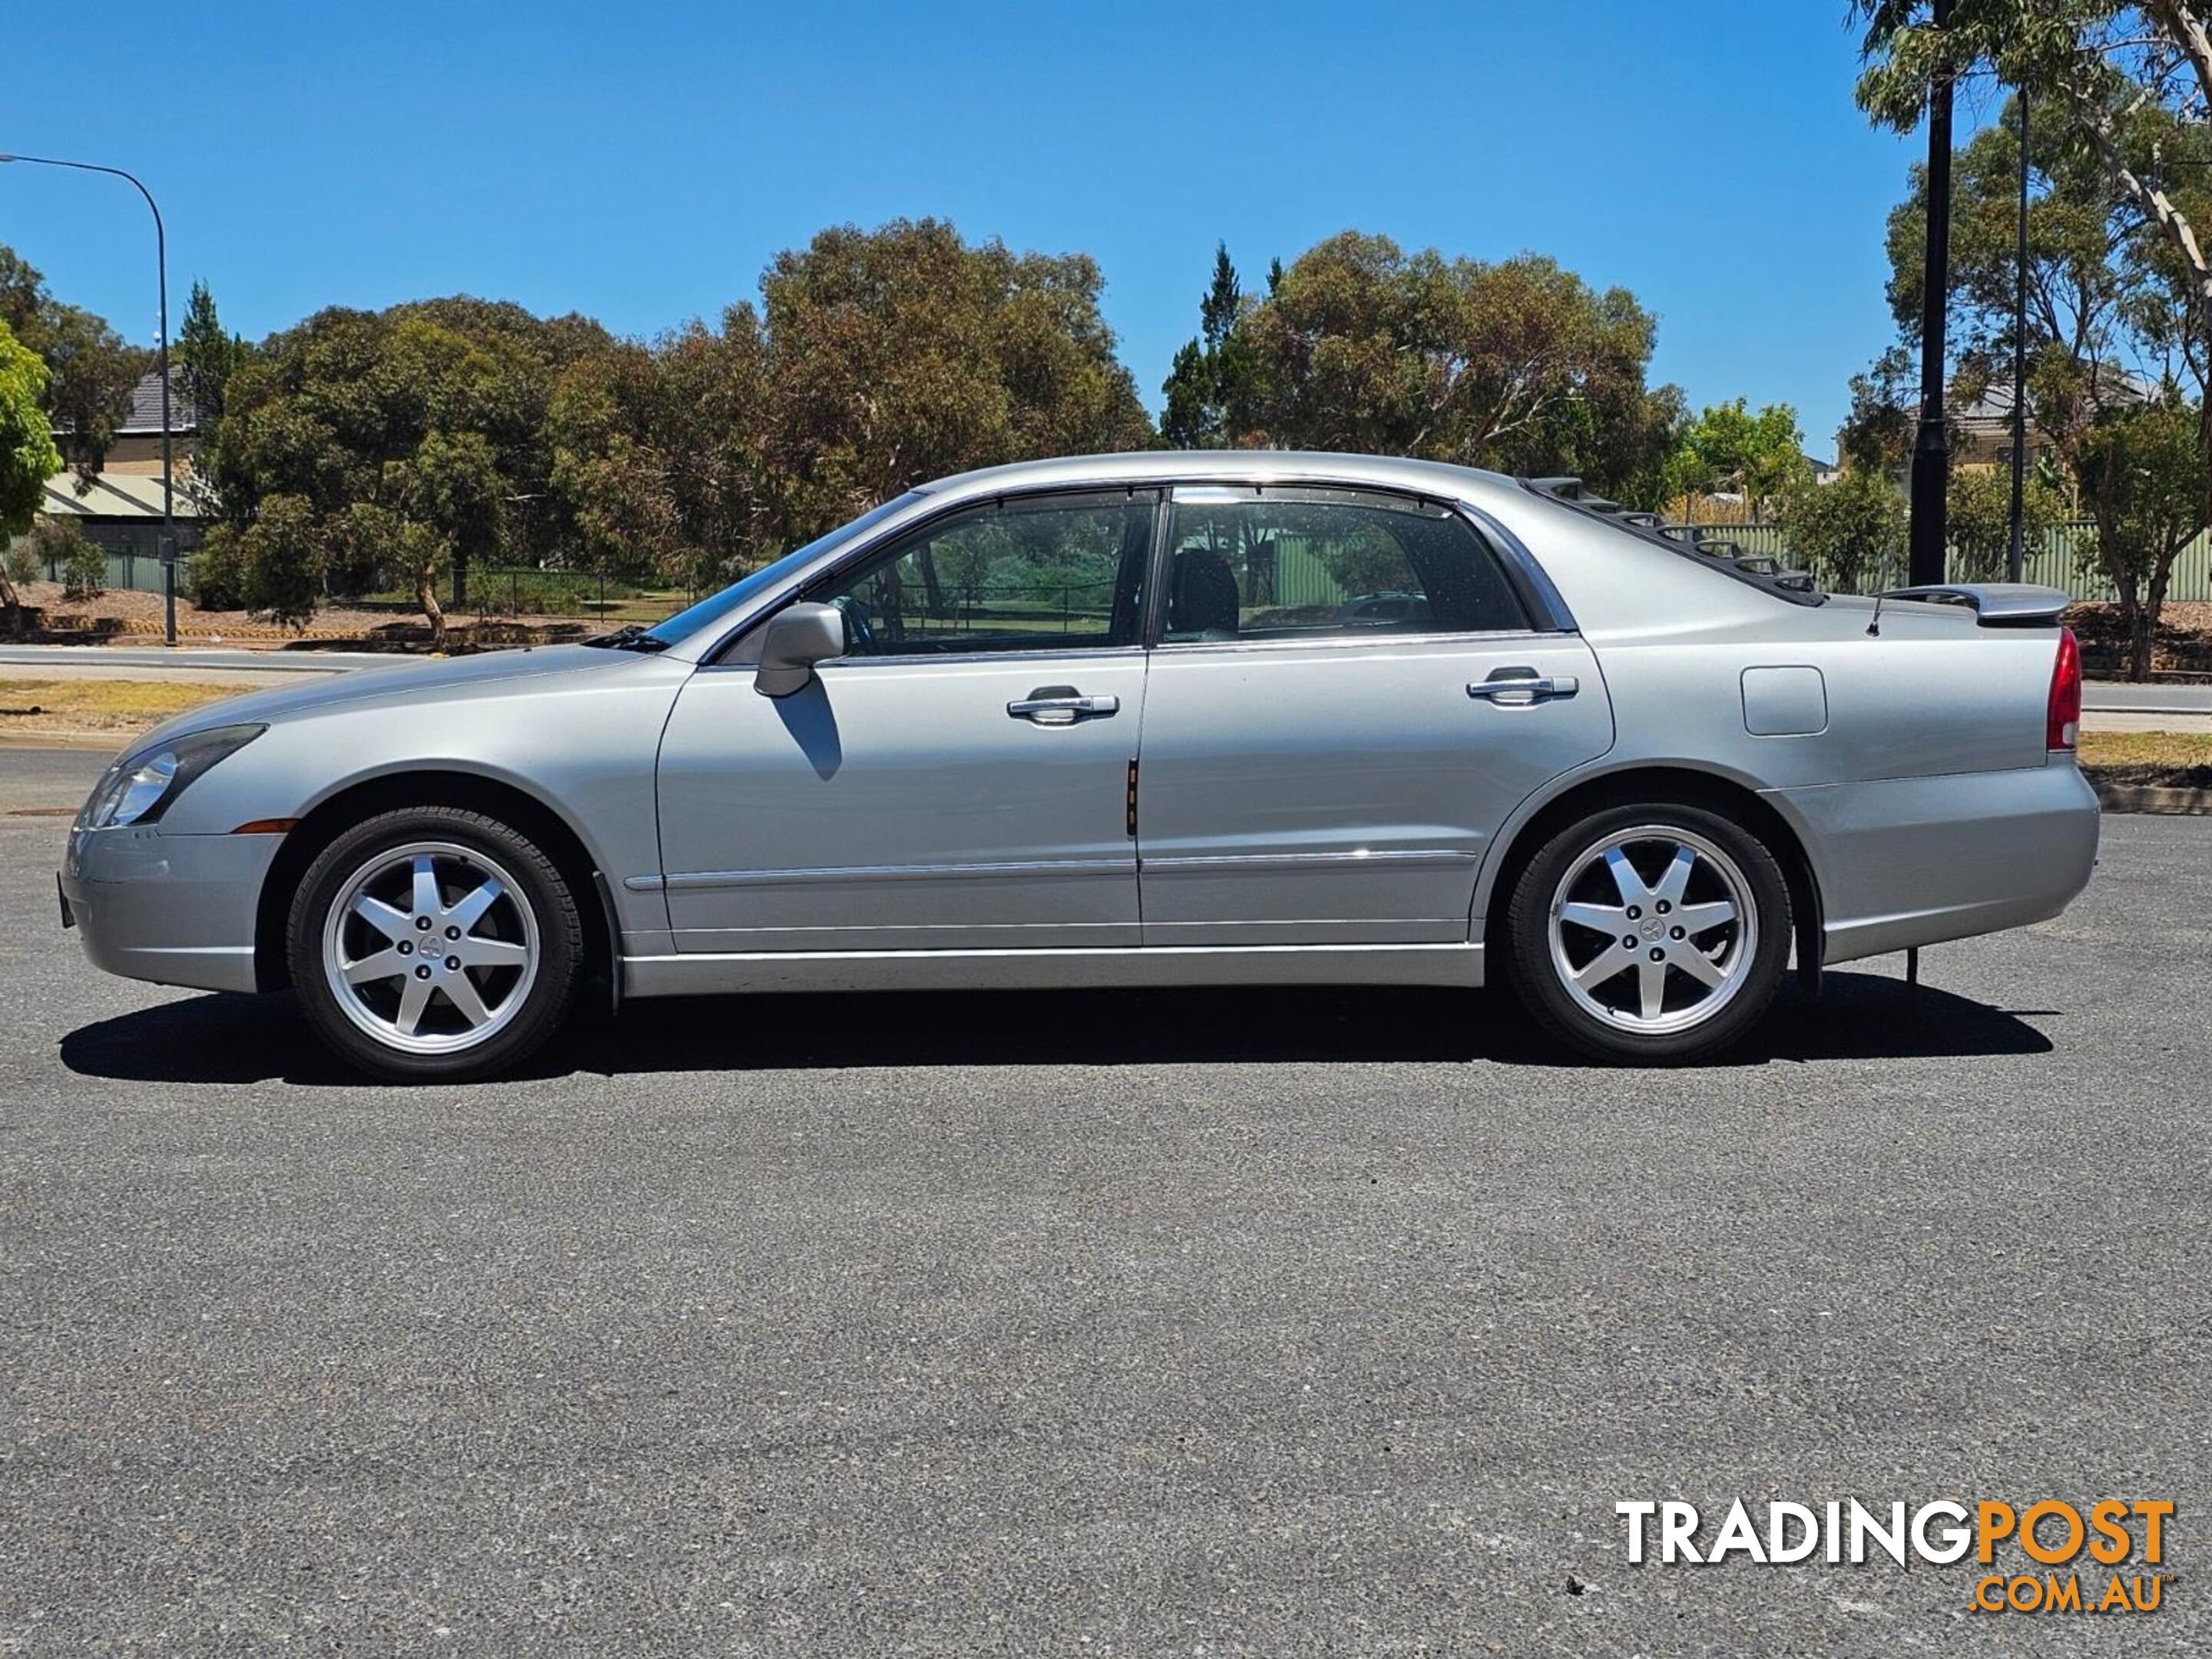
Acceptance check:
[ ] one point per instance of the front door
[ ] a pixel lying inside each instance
(959, 780)
(1347, 700)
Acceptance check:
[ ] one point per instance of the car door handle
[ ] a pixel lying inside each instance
(1518, 687)
(1062, 705)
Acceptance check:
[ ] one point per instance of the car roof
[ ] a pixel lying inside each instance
(1254, 465)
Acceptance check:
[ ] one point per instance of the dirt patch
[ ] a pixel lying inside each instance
(123, 616)
(2183, 644)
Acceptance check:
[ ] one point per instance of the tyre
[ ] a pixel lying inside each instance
(435, 945)
(1650, 934)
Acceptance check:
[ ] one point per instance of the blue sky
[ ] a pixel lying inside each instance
(643, 162)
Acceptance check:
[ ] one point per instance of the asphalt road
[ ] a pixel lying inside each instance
(2115, 697)
(193, 662)
(1258, 1324)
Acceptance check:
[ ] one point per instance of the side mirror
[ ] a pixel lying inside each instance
(797, 637)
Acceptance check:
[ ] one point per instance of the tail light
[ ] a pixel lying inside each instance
(2062, 724)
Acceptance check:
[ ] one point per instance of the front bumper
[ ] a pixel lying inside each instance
(174, 909)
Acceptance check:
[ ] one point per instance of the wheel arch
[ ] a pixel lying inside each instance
(476, 792)
(1543, 815)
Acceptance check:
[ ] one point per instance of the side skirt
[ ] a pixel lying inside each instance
(701, 974)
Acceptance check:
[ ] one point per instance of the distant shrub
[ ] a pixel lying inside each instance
(57, 545)
(215, 579)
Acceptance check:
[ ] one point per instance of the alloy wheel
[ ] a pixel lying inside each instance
(1653, 930)
(431, 948)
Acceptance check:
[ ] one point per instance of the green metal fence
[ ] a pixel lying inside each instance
(2063, 556)
(129, 571)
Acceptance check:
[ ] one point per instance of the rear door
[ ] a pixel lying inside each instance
(1347, 699)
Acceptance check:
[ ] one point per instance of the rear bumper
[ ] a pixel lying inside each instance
(1912, 861)
(174, 909)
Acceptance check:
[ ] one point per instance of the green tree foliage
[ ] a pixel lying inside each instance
(279, 558)
(206, 355)
(1849, 533)
(56, 543)
(2129, 84)
(1878, 431)
(436, 411)
(2143, 474)
(1728, 447)
(27, 455)
(2106, 285)
(1517, 365)
(1209, 386)
(90, 370)
(877, 360)
(901, 354)
(1979, 514)
(2090, 294)
(448, 432)
(662, 456)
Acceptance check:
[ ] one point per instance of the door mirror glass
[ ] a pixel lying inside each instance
(797, 637)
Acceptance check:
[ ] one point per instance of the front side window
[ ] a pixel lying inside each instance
(1295, 564)
(720, 607)
(1034, 575)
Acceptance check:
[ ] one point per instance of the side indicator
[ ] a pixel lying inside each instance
(267, 827)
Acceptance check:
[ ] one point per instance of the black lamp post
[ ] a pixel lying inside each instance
(1931, 447)
(168, 483)
(2016, 553)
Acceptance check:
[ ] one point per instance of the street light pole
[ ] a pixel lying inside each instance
(168, 548)
(2016, 554)
(1931, 447)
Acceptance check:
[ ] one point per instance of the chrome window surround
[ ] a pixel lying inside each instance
(1546, 608)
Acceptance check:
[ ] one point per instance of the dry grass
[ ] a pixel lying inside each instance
(101, 705)
(2176, 759)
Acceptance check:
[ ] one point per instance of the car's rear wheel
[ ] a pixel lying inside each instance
(433, 943)
(1649, 934)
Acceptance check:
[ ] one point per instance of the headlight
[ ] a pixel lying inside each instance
(141, 786)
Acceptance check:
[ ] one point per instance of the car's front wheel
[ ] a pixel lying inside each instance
(1651, 935)
(433, 944)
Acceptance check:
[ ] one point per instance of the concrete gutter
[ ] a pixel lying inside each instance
(2152, 798)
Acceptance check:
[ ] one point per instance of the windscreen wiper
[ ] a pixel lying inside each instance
(630, 636)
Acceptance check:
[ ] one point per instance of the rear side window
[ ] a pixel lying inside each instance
(1295, 564)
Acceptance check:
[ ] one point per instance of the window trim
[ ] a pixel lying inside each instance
(742, 648)
(1543, 613)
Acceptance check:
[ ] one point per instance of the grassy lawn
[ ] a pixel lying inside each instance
(2182, 759)
(99, 705)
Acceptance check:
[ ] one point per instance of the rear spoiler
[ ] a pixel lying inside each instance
(1995, 604)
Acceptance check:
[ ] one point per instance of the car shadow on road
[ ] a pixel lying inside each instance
(1859, 1016)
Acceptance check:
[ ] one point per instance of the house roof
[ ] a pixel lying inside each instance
(116, 495)
(1990, 414)
(145, 415)
(143, 418)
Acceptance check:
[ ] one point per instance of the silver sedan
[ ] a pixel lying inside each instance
(1141, 719)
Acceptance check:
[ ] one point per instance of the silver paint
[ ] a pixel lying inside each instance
(1308, 811)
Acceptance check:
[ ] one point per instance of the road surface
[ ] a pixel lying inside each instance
(1298, 1322)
